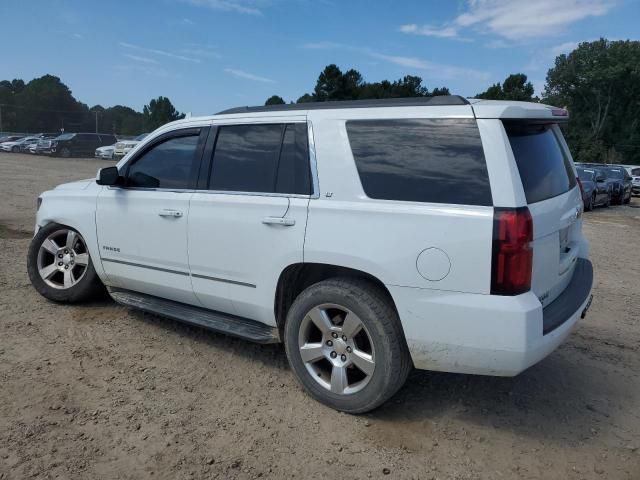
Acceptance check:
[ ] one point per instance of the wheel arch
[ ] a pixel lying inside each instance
(296, 277)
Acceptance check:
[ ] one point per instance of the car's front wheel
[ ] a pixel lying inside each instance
(345, 344)
(60, 267)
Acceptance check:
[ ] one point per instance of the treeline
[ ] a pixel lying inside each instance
(46, 104)
(599, 83)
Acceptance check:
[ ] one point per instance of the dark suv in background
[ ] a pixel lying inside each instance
(618, 178)
(595, 190)
(77, 144)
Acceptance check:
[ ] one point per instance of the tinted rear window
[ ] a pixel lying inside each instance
(422, 160)
(544, 168)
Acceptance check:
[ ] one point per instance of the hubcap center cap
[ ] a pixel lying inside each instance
(339, 346)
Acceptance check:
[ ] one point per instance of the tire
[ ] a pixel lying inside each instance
(607, 204)
(15, 149)
(591, 203)
(65, 152)
(379, 339)
(627, 200)
(78, 282)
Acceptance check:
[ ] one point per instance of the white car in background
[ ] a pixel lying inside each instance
(125, 146)
(105, 152)
(16, 144)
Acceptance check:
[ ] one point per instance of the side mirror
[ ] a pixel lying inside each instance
(108, 176)
(600, 178)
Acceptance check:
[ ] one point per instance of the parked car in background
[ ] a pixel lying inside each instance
(26, 145)
(77, 144)
(635, 180)
(125, 146)
(619, 179)
(594, 192)
(10, 138)
(16, 145)
(105, 152)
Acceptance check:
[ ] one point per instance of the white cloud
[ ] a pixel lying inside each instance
(247, 75)
(516, 19)
(566, 47)
(163, 53)
(247, 7)
(431, 69)
(139, 59)
(430, 30)
(427, 68)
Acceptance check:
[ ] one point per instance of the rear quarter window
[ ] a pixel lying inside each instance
(421, 160)
(545, 169)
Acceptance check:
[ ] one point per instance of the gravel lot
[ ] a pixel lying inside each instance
(100, 391)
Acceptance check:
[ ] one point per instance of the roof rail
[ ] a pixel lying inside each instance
(439, 100)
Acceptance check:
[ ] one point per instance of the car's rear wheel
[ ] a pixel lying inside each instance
(345, 344)
(591, 203)
(607, 204)
(60, 267)
(15, 149)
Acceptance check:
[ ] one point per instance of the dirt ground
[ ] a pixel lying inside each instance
(101, 391)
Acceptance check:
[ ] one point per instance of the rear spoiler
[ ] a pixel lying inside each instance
(520, 111)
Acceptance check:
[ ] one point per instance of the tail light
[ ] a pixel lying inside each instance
(512, 259)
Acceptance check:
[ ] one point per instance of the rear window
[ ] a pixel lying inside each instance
(585, 174)
(545, 170)
(422, 160)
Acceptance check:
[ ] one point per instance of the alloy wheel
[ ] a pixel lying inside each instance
(336, 349)
(63, 259)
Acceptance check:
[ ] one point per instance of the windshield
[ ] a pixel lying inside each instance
(585, 174)
(140, 137)
(66, 136)
(616, 173)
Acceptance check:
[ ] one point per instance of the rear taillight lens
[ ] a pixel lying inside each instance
(512, 259)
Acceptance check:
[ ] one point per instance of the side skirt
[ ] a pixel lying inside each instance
(209, 319)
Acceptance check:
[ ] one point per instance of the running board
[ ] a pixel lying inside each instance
(219, 322)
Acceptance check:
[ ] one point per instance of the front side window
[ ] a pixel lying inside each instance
(165, 165)
(421, 160)
(268, 158)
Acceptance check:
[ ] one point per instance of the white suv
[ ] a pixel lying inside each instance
(369, 237)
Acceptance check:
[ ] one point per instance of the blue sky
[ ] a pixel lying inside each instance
(206, 55)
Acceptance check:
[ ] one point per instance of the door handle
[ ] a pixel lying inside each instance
(285, 222)
(170, 213)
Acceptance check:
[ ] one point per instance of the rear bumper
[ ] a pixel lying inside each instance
(488, 334)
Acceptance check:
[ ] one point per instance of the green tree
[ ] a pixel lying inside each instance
(599, 83)
(158, 112)
(305, 98)
(274, 100)
(514, 87)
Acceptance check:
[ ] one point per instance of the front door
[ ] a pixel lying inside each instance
(250, 223)
(142, 225)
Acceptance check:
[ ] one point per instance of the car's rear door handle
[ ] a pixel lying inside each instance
(285, 222)
(170, 213)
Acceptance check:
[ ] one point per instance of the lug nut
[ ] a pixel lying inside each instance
(59, 264)
(71, 254)
(349, 349)
(59, 255)
(71, 262)
(66, 267)
(66, 251)
(334, 354)
(343, 357)
(334, 335)
(329, 343)
(344, 337)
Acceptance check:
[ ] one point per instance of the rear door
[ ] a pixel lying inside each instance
(249, 224)
(554, 200)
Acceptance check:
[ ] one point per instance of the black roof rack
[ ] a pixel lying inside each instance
(439, 100)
